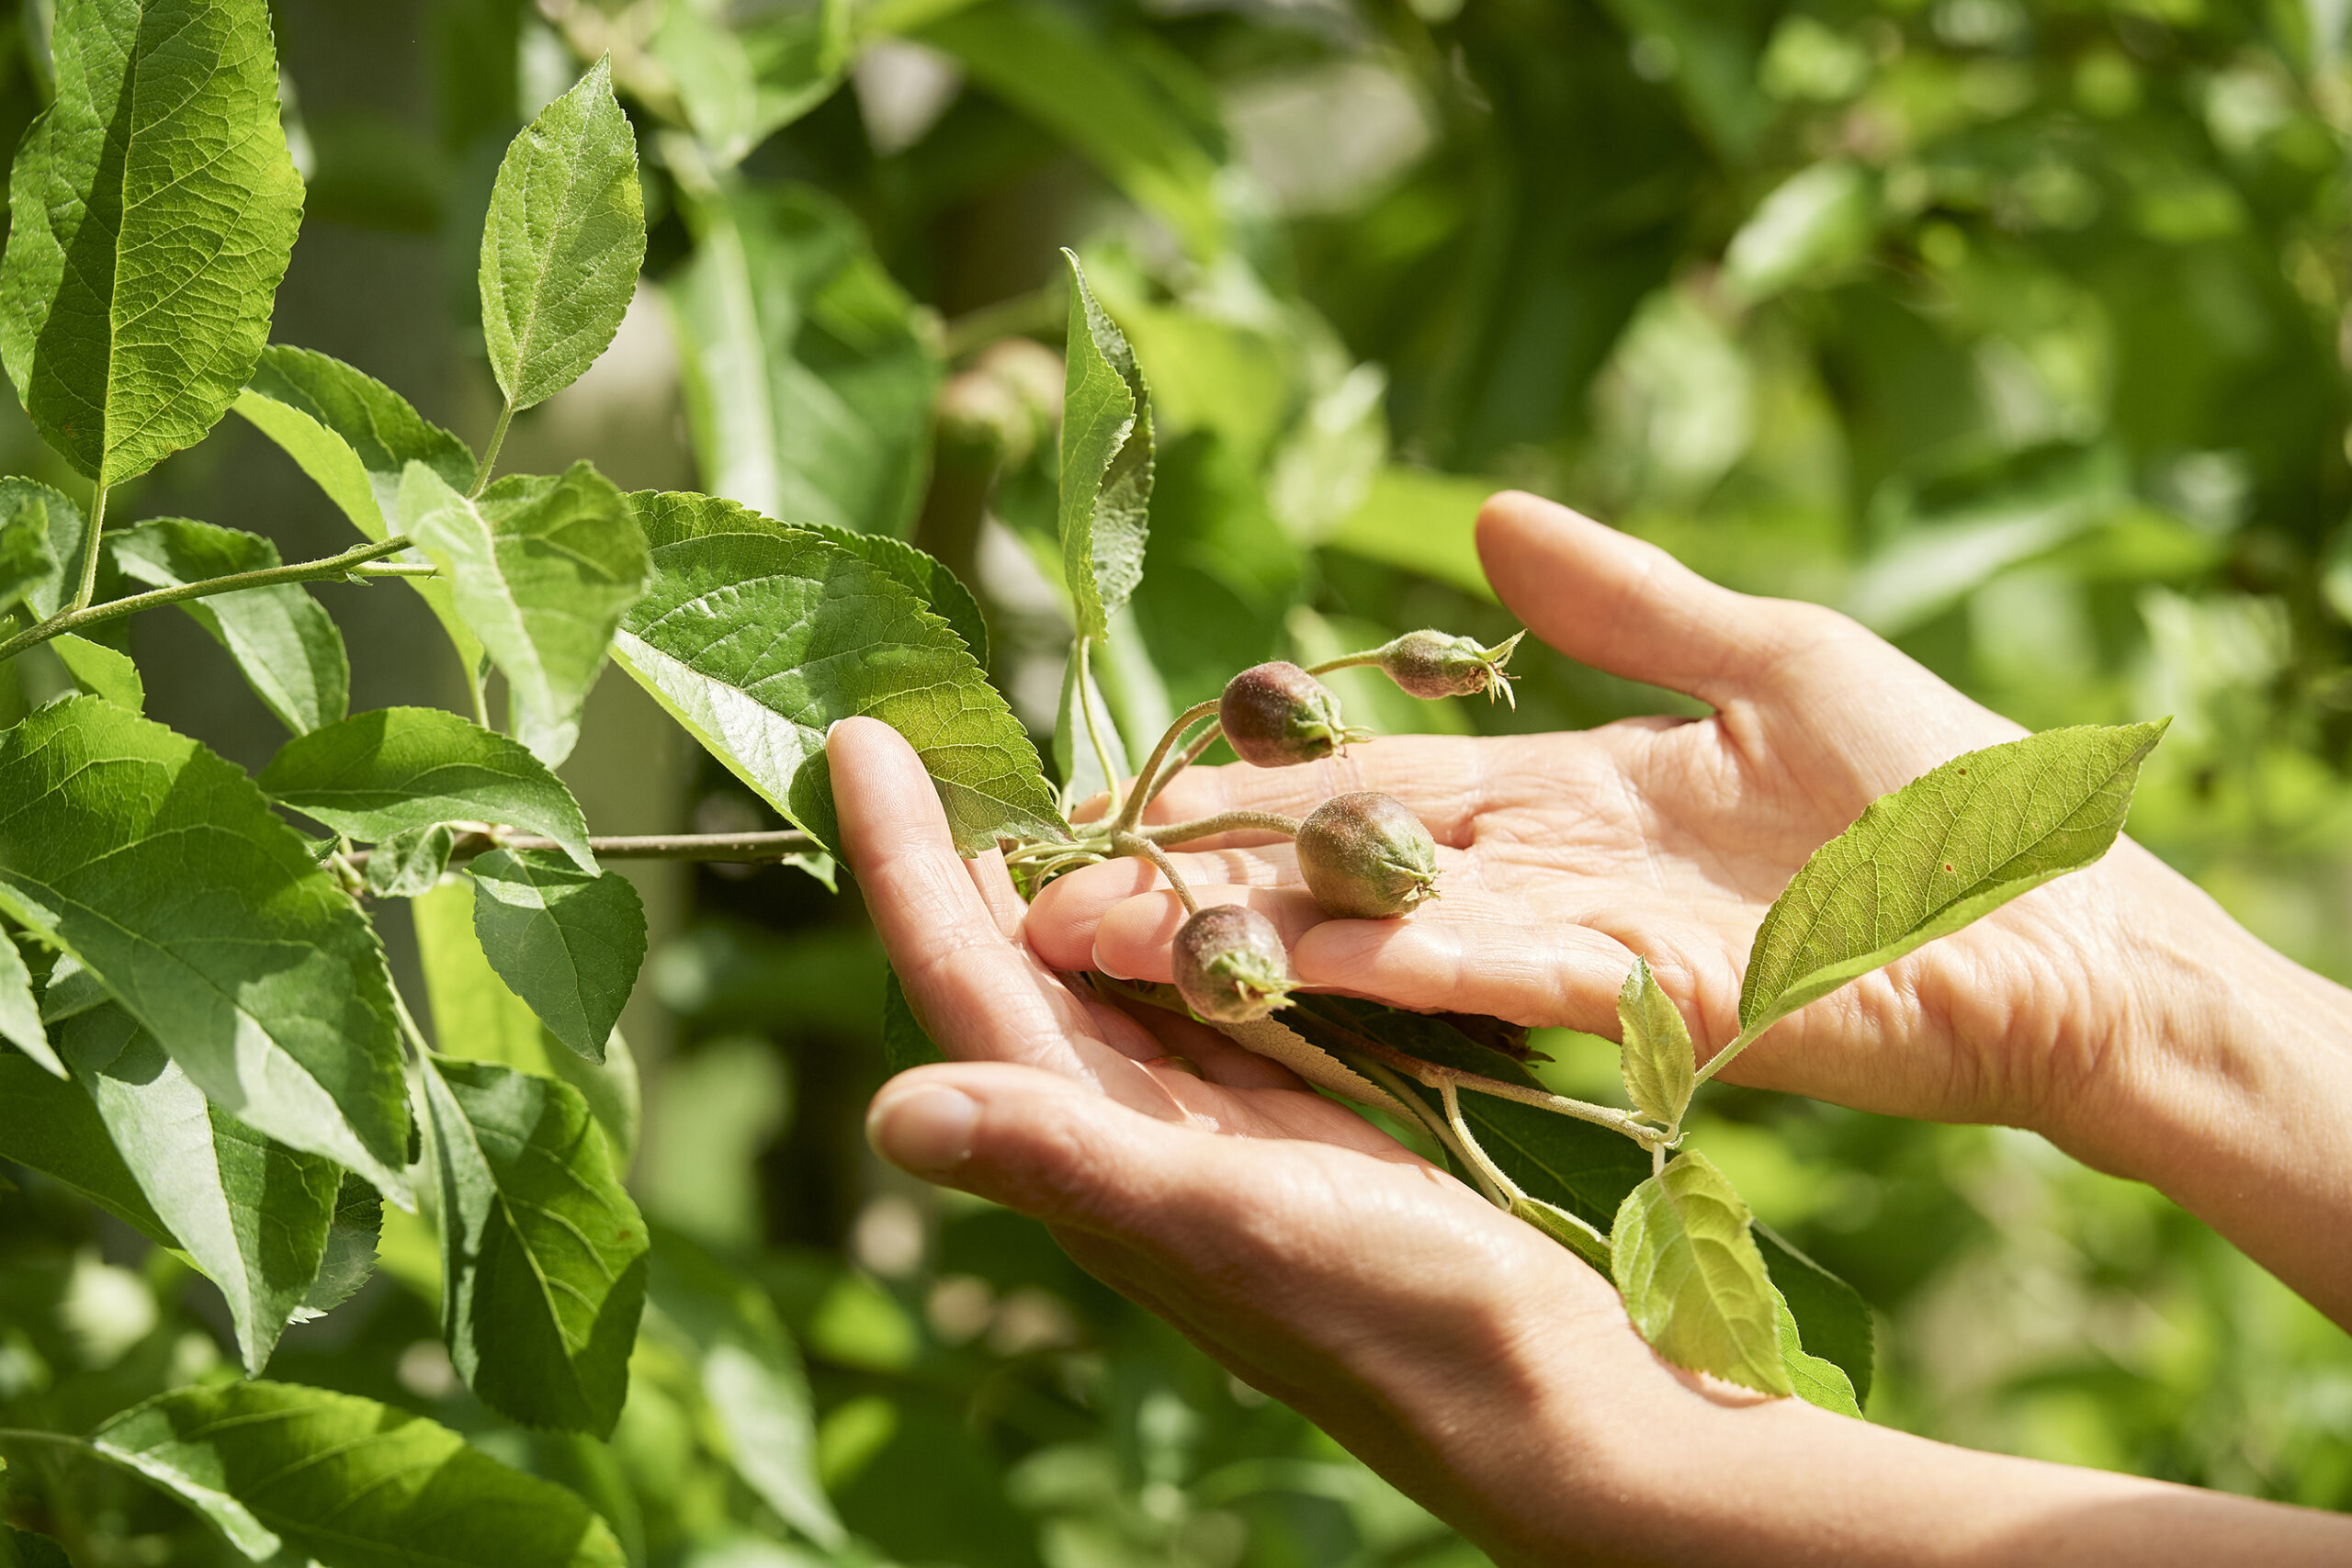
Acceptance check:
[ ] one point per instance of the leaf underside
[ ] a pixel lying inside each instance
(1104, 515)
(1692, 1278)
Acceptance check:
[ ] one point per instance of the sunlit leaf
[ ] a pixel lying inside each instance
(153, 210)
(543, 1254)
(20, 1022)
(285, 643)
(1814, 1381)
(164, 870)
(741, 79)
(1104, 515)
(1692, 1277)
(564, 238)
(30, 511)
(350, 1481)
(1952, 845)
(1832, 1315)
(101, 672)
(1655, 1056)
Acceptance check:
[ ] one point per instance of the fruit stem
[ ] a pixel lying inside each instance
(1224, 822)
(1431, 1122)
(1434, 1077)
(1348, 661)
(1500, 1187)
(1184, 759)
(1135, 844)
(1133, 811)
(1086, 695)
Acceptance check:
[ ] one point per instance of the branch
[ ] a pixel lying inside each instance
(736, 849)
(115, 609)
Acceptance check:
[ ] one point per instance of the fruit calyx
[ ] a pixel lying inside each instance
(1230, 965)
(1277, 715)
(1366, 857)
(1430, 664)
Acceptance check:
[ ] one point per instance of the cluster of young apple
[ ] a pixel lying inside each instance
(1363, 855)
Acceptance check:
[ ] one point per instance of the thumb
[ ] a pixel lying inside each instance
(1624, 605)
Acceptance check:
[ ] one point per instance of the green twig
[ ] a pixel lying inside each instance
(1722, 1058)
(1434, 1076)
(1093, 731)
(1148, 781)
(731, 848)
(1138, 845)
(115, 609)
(1345, 662)
(1184, 759)
(86, 589)
(490, 457)
(1236, 821)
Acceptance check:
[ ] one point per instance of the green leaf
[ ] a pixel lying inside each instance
(542, 569)
(355, 437)
(1814, 1381)
(1562, 1227)
(1692, 1278)
(285, 643)
(49, 1125)
(758, 637)
(564, 238)
(250, 1213)
(101, 670)
(942, 591)
(567, 941)
(475, 1017)
(1836, 1321)
(1105, 510)
(809, 380)
(27, 559)
(153, 210)
(162, 869)
(350, 1256)
(409, 864)
(751, 1377)
(739, 81)
(19, 1011)
(542, 1253)
(275, 1466)
(1951, 846)
(392, 770)
(23, 1549)
(1657, 1058)
(905, 1042)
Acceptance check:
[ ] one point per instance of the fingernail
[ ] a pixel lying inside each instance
(926, 1130)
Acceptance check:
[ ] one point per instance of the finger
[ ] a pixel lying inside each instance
(1552, 974)
(1060, 925)
(1219, 1060)
(1444, 778)
(1624, 605)
(979, 993)
(994, 884)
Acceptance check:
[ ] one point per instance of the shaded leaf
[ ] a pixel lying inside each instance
(409, 863)
(541, 569)
(153, 209)
(20, 1022)
(393, 771)
(568, 942)
(31, 508)
(1693, 1282)
(758, 637)
(49, 1124)
(100, 670)
(1953, 844)
(542, 1253)
(353, 1483)
(751, 1377)
(905, 1042)
(355, 436)
(285, 643)
(164, 870)
(27, 559)
(808, 381)
(475, 1017)
(563, 242)
(1075, 757)
(1814, 1381)
(1104, 515)
(741, 79)
(1657, 1058)
(23, 1549)
(350, 1256)
(252, 1214)
(1835, 1320)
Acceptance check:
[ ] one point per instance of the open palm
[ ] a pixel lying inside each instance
(1564, 856)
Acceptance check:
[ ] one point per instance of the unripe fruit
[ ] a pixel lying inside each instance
(1366, 857)
(1276, 716)
(1438, 664)
(1230, 966)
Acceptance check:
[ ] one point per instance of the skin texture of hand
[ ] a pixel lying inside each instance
(2117, 1011)
(1475, 1363)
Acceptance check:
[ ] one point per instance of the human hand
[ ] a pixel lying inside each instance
(1564, 856)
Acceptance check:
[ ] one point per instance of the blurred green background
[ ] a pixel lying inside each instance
(2018, 331)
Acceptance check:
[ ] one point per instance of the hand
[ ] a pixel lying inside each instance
(1476, 1364)
(1564, 856)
